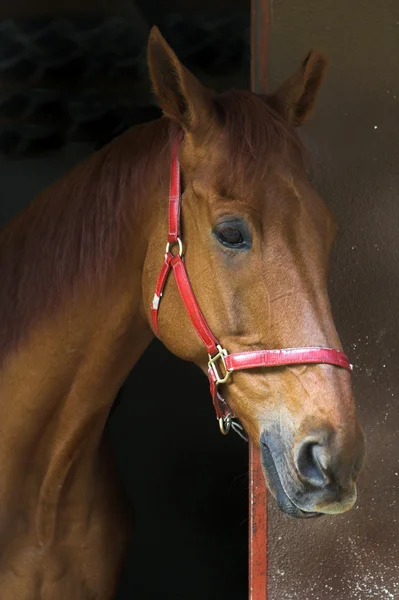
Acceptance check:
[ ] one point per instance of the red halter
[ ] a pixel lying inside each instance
(221, 364)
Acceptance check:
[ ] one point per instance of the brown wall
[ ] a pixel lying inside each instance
(354, 138)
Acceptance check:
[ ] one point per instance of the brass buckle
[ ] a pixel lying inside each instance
(221, 374)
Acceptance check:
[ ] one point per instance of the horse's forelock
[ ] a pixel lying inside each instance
(256, 134)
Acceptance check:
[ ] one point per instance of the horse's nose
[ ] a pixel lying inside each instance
(312, 463)
(321, 465)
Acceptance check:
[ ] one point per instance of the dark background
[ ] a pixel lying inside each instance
(71, 81)
(67, 88)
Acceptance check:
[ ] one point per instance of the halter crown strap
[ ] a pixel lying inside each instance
(174, 193)
(221, 364)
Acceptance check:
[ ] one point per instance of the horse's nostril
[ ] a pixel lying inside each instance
(312, 464)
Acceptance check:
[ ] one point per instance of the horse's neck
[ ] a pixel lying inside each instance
(56, 391)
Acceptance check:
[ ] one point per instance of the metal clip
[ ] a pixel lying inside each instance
(221, 376)
(225, 424)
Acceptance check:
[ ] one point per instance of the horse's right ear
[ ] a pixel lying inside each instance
(296, 97)
(181, 96)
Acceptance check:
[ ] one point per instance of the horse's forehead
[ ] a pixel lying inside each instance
(271, 182)
(281, 193)
(256, 186)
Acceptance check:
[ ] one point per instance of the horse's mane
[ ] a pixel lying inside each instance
(74, 230)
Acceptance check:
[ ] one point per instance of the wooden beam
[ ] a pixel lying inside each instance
(257, 488)
(259, 45)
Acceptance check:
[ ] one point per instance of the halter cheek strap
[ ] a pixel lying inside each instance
(221, 364)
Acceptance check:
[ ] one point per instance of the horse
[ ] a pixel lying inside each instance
(78, 270)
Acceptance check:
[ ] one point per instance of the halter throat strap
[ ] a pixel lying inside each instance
(221, 364)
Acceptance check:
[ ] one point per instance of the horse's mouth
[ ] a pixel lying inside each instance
(285, 503)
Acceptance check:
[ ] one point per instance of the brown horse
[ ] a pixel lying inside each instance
(78, 270)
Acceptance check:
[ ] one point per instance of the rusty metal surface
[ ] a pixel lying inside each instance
(257, 528)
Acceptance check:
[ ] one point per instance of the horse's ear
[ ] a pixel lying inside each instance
(296, 97)
(181, 96)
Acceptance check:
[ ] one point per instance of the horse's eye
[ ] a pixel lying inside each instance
(233, 233)
(229, 236)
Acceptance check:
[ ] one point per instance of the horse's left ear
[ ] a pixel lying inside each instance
(296, 97)
(181, 96)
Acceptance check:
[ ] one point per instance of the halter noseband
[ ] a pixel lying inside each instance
(221, 364)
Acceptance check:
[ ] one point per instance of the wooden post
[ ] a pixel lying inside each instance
(257, 528)
(257, 488)
(259, 45)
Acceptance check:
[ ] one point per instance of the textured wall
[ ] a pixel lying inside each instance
(354, 140)
(74, 78)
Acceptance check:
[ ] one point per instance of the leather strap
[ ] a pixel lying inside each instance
(174, 193)
(286, 356)
(221, 364)
(163, 275)
(191, 305)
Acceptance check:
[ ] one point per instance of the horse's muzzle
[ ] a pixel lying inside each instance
(315, 477)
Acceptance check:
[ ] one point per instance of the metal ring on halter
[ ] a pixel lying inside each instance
(170, 245)
(225, 424)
